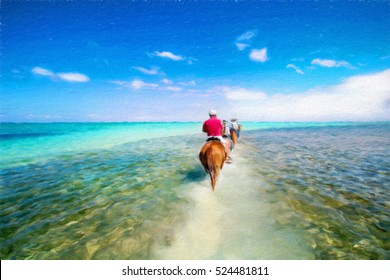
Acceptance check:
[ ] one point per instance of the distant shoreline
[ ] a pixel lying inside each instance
(144, 122)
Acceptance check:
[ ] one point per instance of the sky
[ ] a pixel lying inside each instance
(125, 61)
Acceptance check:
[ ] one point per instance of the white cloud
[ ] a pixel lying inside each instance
(299, 71)
(67, 77)
(238, 94)
(175, 89)
(193, 91)
(247, 36)
(190, 83)
(138, 84)
(241, 46)
(42, 72)
(120, 83)
(152, 71)
(191, 60)
(135, 84)
(73, 77)
(242, 42)
(358, 98)
(174, 57)
(330, 63)
(259, 55)
(168, 55)
(166, 81)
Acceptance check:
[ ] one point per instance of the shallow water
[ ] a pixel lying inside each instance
(308, 192)
(333, 183)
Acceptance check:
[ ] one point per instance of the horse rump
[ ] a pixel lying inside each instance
(234, 136)
(212, 156)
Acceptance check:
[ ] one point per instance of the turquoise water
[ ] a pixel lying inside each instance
(137, 191)
(32, 142)
(27, 143)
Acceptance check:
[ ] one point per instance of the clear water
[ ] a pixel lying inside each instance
(137, 191)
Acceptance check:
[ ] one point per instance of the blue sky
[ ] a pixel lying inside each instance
(173, 61)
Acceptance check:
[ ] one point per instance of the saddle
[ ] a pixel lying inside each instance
(213, 139)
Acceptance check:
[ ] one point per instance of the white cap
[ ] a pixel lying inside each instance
(212, 113)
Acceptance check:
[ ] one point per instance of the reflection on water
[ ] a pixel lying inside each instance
(290, 194)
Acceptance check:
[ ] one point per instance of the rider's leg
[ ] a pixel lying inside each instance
(227, 148)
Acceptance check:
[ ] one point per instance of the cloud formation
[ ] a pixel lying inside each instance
(73, 77)
(190, 83)
(175, 89)
(247, 36)
(242, 46)
(243, 41)
(329, 63)
(135, 84)
(42, 72)
(67, 77)
(166, 81)
(358, 98)
(168, 55)
(241, 94)
(164, 84)
(259, 55)
(138, 84)
(292, 66)
(152, 71)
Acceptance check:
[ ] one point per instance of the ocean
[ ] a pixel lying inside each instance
(126, 191)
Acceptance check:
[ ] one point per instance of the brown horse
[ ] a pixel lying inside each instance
(233, 134)
(212, 155)
(234, 137)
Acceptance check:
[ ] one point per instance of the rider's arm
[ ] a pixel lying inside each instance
(221, 128)
(204, 129)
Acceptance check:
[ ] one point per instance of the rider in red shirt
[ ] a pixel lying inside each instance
(214, 128)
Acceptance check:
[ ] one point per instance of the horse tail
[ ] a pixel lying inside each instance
(213, 170)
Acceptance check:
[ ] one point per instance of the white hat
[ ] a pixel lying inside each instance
(212, 113)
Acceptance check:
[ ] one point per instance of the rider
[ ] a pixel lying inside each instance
(235, 126)
(226, 133)
(214, 128)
